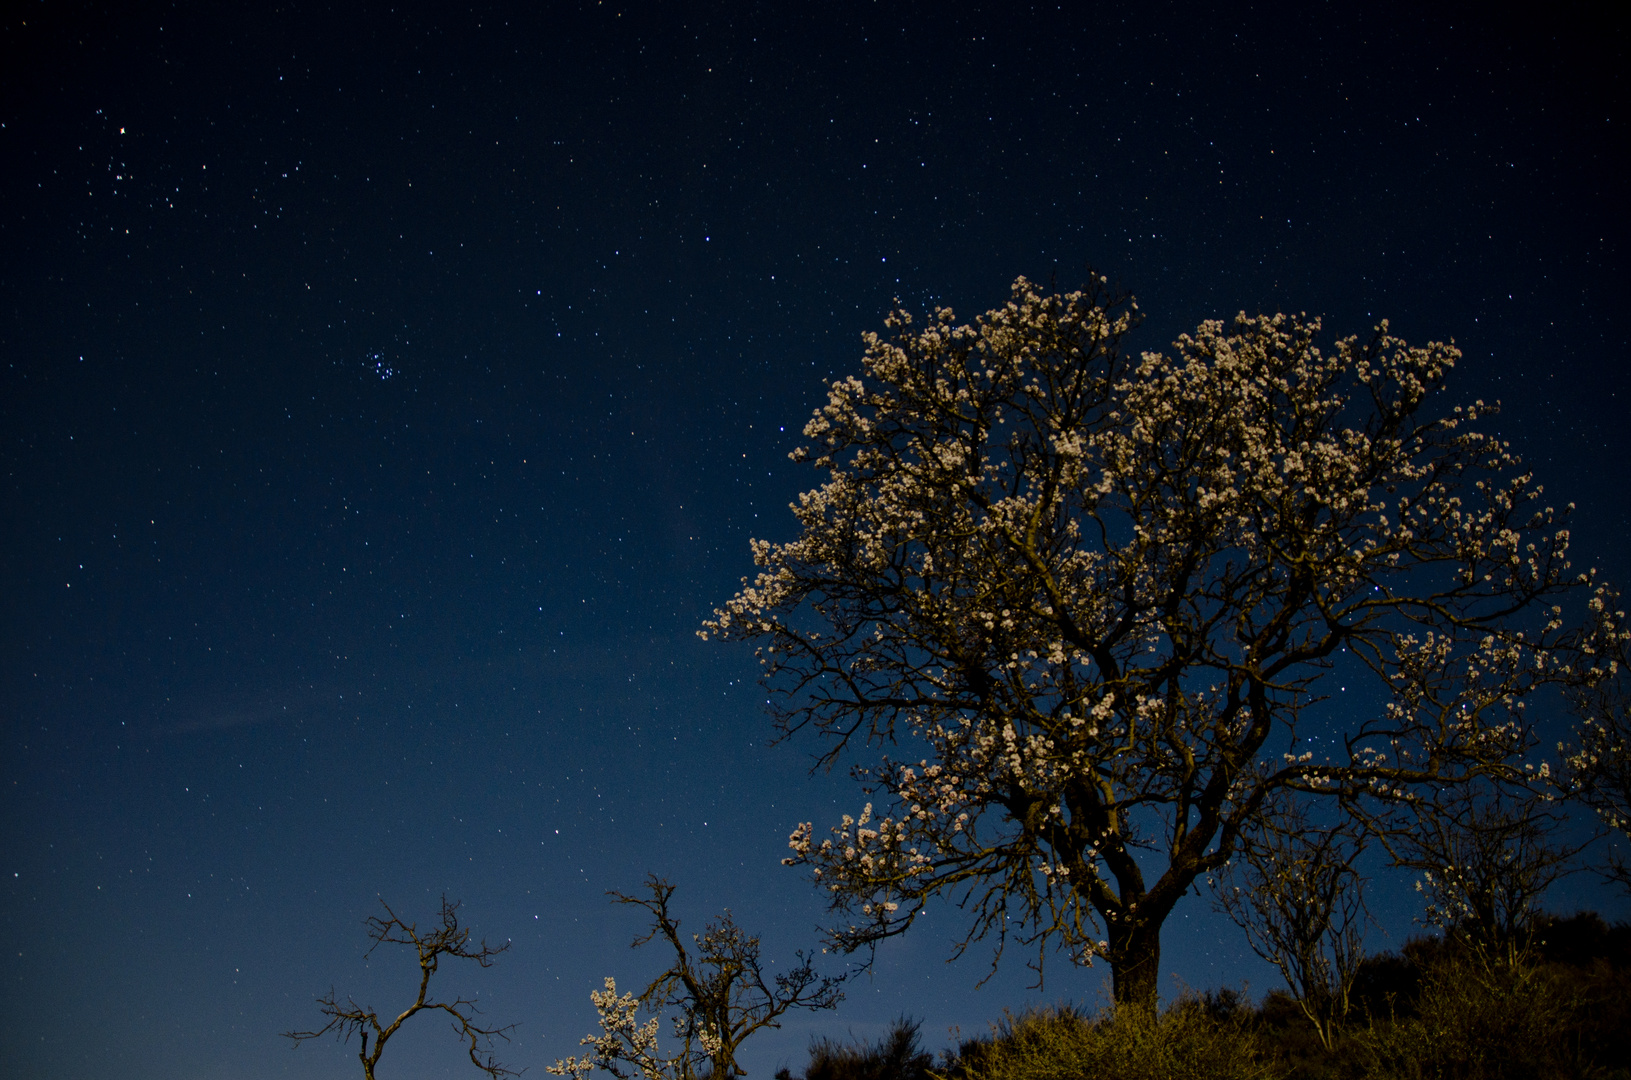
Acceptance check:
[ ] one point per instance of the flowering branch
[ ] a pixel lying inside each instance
(1598, 769)
(1096, 602)
(720, 988)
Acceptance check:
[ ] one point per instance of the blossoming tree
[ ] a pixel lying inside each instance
(1084, 608)
(721, 992)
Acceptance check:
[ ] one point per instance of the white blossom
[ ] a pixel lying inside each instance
(1097, 595)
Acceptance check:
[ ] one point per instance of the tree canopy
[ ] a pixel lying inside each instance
(1073, 612)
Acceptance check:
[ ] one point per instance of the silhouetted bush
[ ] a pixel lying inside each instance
(1479, 1017)
(1593, 961)
(1553, 1002)
(897, 1056)
(1387, 984)
(1583, 940)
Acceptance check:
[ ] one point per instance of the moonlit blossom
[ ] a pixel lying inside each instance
(1084, 604)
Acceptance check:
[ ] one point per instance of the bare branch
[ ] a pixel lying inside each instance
(1293, 889)
(447, 939)
(1484, 859)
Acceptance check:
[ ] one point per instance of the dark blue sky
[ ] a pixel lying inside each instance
(388, 394)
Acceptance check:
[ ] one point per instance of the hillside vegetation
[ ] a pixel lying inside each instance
(1555, 1006)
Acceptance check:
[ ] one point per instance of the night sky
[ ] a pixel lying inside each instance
(387, 394)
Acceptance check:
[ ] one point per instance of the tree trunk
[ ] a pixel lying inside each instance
(1135, 961)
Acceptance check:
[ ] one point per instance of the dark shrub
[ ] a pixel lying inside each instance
(1480, 1017)
(1387, 985)
(897, 1056)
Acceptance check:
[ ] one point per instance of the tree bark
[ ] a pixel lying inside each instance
(1135, 960)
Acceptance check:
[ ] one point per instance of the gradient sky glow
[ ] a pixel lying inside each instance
(388, 392)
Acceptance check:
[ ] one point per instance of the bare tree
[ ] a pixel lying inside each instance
(1484, 860)
(1292, 887)
(447, 940)
(720, 989)
(1086, 606)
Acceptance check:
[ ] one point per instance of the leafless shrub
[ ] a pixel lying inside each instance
(1293, 888)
